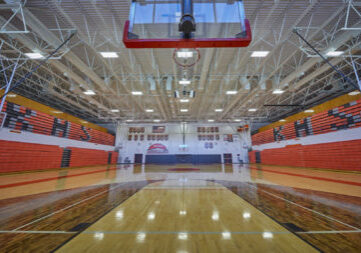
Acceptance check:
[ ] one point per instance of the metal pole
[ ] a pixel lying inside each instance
(356, 74)
(8, 84)
(327, 61)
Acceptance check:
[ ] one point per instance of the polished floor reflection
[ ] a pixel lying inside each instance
(181, 208)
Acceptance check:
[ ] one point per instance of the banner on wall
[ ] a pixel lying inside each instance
(157, 149)
(158, 129)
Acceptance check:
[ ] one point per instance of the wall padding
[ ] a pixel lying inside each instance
(344, 155)
(19, 156)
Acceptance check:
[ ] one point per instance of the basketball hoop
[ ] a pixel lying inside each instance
(186, 58)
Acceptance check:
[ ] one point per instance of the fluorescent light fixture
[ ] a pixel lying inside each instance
(109, 54)
(259, 53)
(282, 120)
(278, 91)
(129, 120)
(211, 120)
(184, 54)
(184, 82)
(84, 122)
(184, 100)
(352, 93)
(114, 110)
(57, 112)
(231, 92)
(34, 55)
(237, 120)
(137, 93)
(149, 110)
(156, 120)
(11, 95)
(309, 111)
(252, 109)
(267, 235)
(89, 92)
(226, 235)
(184, 110)
(334, 53)
(218, 110)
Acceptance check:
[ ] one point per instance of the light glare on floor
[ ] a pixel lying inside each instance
(151, 216)
(182, 212)
(215, 216)
(246, 215)
(119, 215)
(141, 237)
(267, 235)
(182, 236)
(99, 236)
(226, 235)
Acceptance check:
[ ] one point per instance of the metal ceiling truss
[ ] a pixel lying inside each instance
(41, 25)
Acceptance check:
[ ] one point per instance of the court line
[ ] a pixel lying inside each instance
(175, 232)
(308, 209)
(65, 208)
(53, 178)
(311, 177)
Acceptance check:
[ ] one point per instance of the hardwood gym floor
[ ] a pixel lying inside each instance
(182, 208)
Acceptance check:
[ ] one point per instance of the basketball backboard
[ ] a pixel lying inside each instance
(156, 24)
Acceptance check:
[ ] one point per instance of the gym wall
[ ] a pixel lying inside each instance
(330, 139)
(178, 143)
(36, 140)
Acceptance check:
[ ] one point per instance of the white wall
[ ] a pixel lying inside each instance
(240, 143)
(29, 137)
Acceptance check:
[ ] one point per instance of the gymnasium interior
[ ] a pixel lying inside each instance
(180, 126)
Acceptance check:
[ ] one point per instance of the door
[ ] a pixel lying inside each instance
(258, 157)
(227, 158)
(138, 158)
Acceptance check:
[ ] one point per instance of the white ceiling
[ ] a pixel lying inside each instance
(290, 65)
